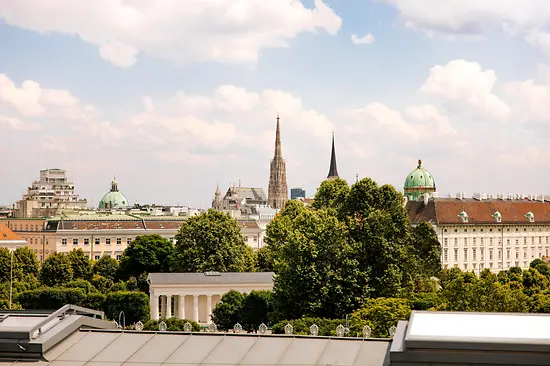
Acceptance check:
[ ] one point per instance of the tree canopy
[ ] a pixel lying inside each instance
(353, 244)
(212, 241)
(56, 270)
(80, 264)
(146, 254)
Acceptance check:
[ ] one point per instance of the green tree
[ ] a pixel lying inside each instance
(317, 272)
(23, 262)
(172, 325)
(256, 308)
(228, 310)
(106, 267)
(135, 306)
(332, 193)
(56, 270)
(26, 262)
(427, 249)
(146, 254)
(80, 264)
(211, 241)
(380, 314)
(86, 286)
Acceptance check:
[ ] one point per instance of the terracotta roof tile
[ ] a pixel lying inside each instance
(159, 225)
(446, 211)
(100, 225)
(7, 234)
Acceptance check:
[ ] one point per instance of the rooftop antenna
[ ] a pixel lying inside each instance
(357, 178)
(239, 182)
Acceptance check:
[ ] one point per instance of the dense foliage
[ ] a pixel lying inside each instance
(212, 241)
(355, 243)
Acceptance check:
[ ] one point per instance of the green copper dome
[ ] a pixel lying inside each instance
(114, 199)
(419, 181)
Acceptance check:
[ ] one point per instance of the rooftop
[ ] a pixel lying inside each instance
(447, 211)
(211, 278)
(78, 336)
(7, 235)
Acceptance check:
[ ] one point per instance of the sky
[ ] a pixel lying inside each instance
(174, 97)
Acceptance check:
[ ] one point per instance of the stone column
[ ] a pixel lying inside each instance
(196, 308)
(154, 304)
(168, 306)
(208, 308)
(181, 307)
(163, 307)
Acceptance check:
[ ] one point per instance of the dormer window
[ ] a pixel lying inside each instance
(530, 216)
(463, 216)
(497, 216)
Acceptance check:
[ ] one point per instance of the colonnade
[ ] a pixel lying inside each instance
(179, 306)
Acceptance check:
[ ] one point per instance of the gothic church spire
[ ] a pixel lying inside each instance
(333, 170)
(277, 192)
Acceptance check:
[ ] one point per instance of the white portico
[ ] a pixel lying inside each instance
(194, 295)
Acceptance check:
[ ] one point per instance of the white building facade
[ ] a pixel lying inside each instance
(485, 232)
(193, 296)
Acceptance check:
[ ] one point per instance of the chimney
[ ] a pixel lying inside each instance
(426, 198)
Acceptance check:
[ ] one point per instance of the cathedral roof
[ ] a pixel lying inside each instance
(114, 199)
(253, 194)
(333, 170)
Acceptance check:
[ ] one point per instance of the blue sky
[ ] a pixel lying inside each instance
(174, 99)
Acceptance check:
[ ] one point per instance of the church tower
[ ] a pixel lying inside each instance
(333, 170)
(277, 192)
(217, 202)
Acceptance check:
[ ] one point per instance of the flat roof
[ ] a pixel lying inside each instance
(211, 278)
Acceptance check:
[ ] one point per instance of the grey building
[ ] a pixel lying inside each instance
(78, 336)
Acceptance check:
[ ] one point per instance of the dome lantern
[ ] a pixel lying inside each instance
(114, 200)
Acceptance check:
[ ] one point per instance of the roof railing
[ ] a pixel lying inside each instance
(62, 312)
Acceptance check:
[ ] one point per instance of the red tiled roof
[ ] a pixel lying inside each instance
(6, 234)
(446, 211)
(100, 225)
(159, 225)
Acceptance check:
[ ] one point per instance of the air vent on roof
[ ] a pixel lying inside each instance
(212, 274)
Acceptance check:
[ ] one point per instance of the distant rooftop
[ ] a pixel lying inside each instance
(211, 278)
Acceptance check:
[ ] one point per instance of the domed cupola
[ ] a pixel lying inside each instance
(418, 181)
(114, 200)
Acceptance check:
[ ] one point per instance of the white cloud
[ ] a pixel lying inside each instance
(118, 54)
(529, 18)
(466, 83)
(366, 39)
(220, 30)
(32, 100)
(15, 124)
(531, 100)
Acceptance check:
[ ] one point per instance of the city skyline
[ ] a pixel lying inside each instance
(465, 92)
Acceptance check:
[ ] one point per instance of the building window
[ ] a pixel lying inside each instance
(500, 254)
(474, 250)
(481, 241)
(446, 241)
(108, 241)
(524, 252)
(118, 257)
(490, 241)
(474, 241)
(97, 242)
(517, 253)
(86, 241)
(507, 241)
(63, 241)
(96, 257)
(465, 254)
(456, 255)
(456, 242)
(507, 253)
(482, 252)
(118, 241)
(75, 241)
(524, 240)
(465, 241)
(490, 254)
(445, 255)
(128, 241)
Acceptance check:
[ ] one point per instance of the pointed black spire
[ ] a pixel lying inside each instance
(333, 170)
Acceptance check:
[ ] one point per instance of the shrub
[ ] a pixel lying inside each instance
(51, 298)
(172, 324)
(135, 306)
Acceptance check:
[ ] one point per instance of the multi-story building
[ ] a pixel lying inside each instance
(9, 239)
(52, 192)
(296, 193)
(33, 231)
(494, 232)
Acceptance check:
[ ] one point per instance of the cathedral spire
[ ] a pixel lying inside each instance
(278, 150)
(333, 170)
(277, 192)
